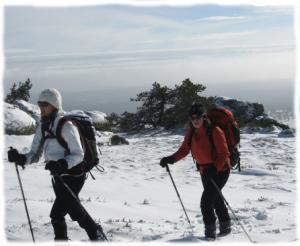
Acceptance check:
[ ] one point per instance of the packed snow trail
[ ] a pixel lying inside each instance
(135, 202)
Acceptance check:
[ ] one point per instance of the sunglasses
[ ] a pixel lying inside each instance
(43, 104)
(198, 117)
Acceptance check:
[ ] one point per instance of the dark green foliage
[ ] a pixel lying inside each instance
(129, 122)
(153, 105)
(29, 130)
(163, 107)
(105, 126)
(112, 122)
(19, 92)
(169, 108)
(115, 122)
(113, 119)
(183, 96)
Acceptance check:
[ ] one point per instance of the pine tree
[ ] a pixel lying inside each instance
(21, 92)
(154, 104)
(162, 106)
(183, 96)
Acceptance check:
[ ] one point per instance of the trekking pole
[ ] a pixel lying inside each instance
(236, 218)
(187, 217)
(26, 209)
(76, 199)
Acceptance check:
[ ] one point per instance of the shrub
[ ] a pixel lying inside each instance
(103, 126)
(28, 130)
(20, 92)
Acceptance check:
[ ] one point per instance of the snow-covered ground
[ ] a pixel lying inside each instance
(135, 201)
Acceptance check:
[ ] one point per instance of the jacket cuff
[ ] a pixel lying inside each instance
(63, 163)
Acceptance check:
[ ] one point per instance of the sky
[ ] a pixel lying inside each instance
(101, 56)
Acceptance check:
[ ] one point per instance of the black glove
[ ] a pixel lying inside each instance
(14, 156)
(210, 171)
(57, 167)
(167, 160)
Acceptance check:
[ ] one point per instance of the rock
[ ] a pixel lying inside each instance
(287, 133)
(243, 111)
(96, 116)
(146, 202)
(267, 123)
(262, 130)
(250, 116)
(118, 140)
(17, 121)
(34, 111)
(31, 109)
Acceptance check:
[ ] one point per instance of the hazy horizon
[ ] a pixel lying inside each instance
(118, 101)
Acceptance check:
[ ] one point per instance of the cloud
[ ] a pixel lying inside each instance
(72, 44)
(274, 10)
(85, 61)
(221, 18)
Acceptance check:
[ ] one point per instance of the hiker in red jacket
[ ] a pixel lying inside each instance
(209, 150)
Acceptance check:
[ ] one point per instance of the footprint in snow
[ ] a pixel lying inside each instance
(261, 215)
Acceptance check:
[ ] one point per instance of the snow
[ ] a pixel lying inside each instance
(24, 114)
(96, 116)
(16, 119)
(29, 108)
(135, 201)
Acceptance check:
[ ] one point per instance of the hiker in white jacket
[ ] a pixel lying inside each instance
(53, 151)
(60, 161)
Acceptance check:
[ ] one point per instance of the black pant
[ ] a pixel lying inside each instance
(64, 202)
(211, 200)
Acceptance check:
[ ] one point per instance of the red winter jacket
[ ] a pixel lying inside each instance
(201, 149)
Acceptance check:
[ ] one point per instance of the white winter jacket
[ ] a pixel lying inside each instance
(53, 151)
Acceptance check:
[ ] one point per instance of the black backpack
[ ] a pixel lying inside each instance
(87, 134)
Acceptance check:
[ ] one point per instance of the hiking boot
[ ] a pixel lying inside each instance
(98, 235)
(93, 229)
(225, 228)
(60, 229)
(210, 232)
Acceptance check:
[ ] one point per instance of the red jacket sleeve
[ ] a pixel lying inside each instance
(221, 148)
(184, 149)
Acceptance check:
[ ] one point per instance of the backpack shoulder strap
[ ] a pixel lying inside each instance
(209, 132)
(190, 137)
(59, 137)
(191, 133)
